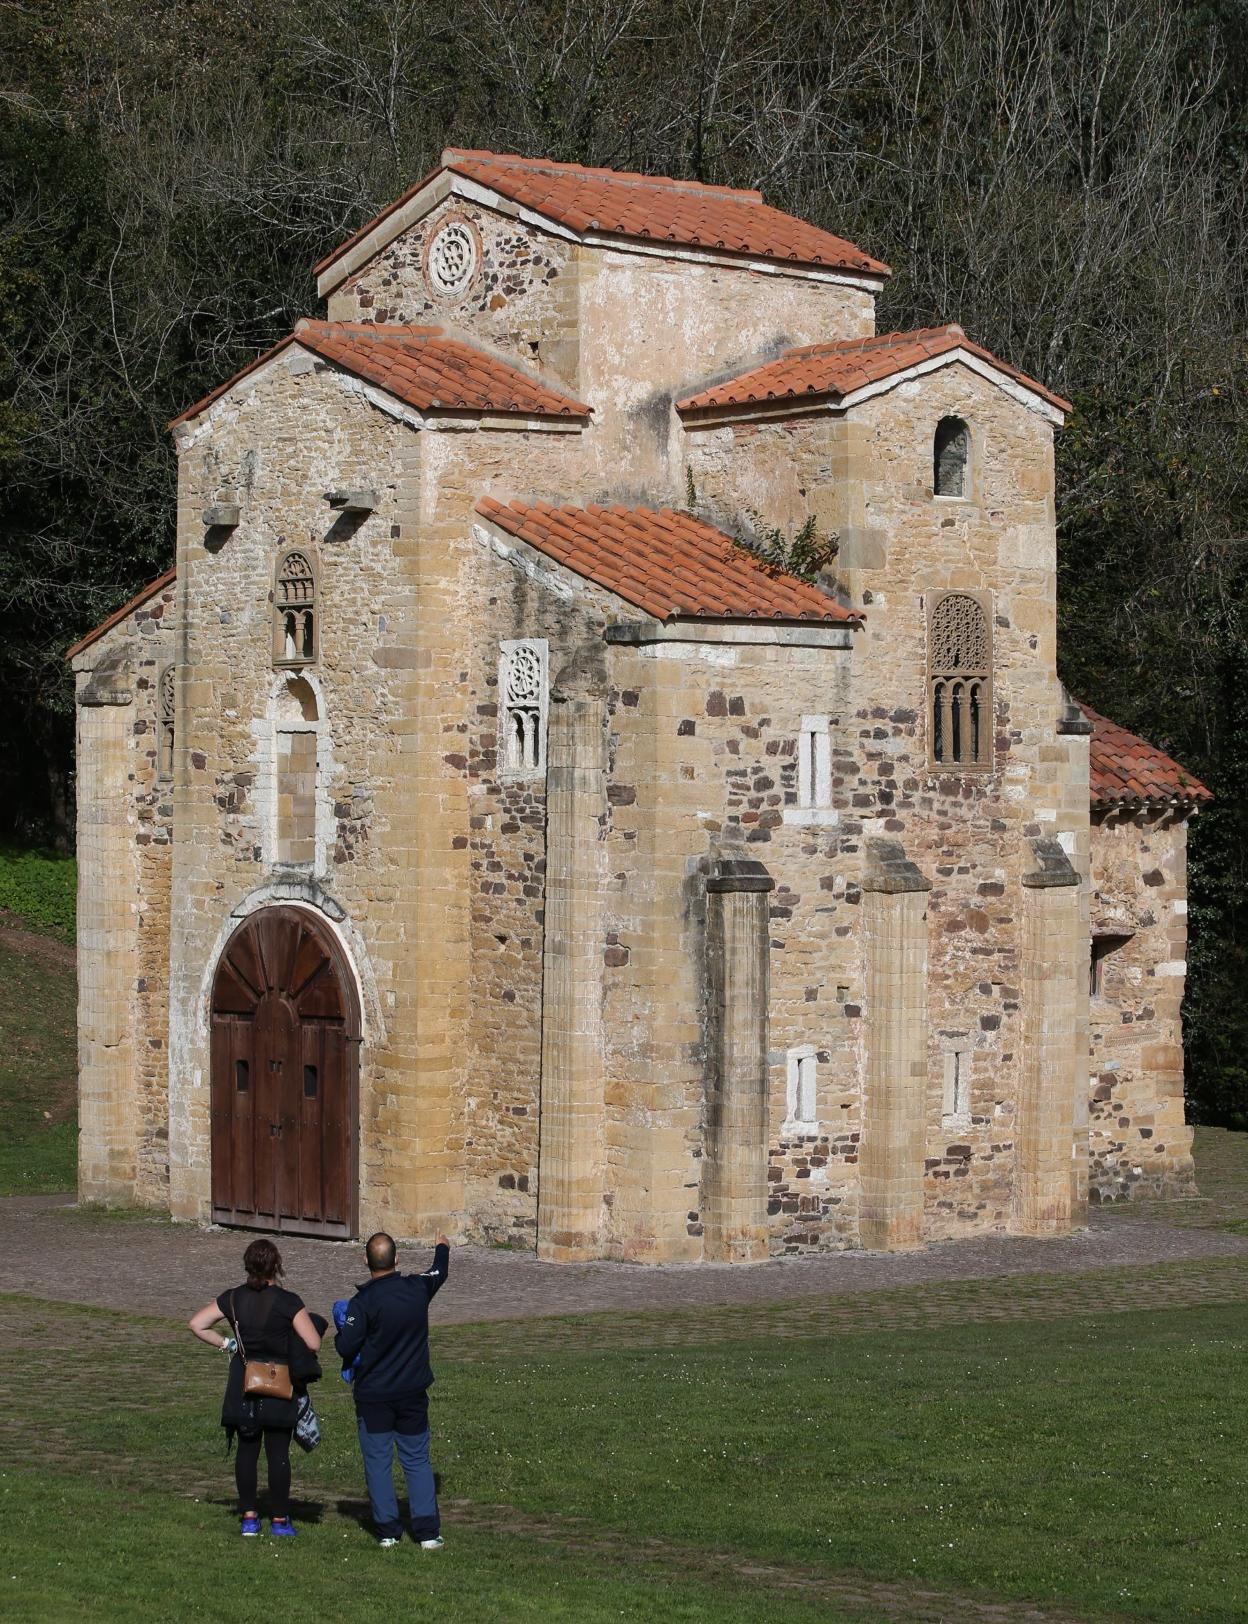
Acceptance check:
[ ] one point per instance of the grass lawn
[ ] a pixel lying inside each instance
(1093, 1467)
(38, 1068)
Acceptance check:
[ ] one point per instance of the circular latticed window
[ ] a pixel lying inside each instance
(452, 259)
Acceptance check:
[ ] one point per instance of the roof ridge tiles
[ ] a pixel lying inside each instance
(624, 176)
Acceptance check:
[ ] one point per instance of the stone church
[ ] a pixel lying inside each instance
(476, 833)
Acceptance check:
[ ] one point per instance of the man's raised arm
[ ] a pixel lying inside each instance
(435, 1278)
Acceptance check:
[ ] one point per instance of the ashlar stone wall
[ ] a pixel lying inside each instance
(125, 816)
(629, 332)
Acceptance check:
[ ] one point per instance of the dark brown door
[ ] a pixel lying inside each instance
(285, 1079)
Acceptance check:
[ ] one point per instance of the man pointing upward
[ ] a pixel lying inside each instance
(387, 1325)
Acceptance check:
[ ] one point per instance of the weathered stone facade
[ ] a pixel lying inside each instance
(691, 946)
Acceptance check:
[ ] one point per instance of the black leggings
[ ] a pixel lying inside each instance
(277, 1453)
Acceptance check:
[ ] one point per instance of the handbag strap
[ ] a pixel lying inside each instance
(238, 1330)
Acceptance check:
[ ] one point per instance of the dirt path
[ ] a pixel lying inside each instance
(59, 955)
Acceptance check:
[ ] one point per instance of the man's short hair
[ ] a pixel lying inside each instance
(380, 1251)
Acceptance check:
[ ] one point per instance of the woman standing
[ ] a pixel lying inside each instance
(269, 1325)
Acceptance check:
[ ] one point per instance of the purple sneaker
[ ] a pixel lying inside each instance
(282, 1528)
(251, 1527)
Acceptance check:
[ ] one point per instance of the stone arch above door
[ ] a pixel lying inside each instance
(285, 1033)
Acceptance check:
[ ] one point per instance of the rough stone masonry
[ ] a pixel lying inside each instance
(474, 834)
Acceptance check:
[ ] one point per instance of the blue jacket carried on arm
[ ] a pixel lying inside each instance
(385, 1332)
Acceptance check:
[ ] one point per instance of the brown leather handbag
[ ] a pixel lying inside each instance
(262, 1378)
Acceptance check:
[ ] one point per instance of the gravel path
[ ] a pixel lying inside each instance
(48, 1249)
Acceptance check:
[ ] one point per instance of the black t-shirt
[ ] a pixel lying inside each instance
(264, 1318)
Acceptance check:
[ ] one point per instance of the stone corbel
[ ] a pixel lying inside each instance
(1053, 866)
(888, 870)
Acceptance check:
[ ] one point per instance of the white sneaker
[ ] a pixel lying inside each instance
(388, 1542)
(434, 1544)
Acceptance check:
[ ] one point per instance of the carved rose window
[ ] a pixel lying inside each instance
(522, 706)
(294, 611)
(452, 259)
(960, 681)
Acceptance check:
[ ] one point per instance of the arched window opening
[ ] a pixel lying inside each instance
(164, 724)
(960, 682)
(296, 717)
(951, 456)
(294, 611)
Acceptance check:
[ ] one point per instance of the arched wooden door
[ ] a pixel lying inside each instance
(285, 1079)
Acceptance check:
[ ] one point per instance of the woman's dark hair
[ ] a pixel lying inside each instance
(263, 1262)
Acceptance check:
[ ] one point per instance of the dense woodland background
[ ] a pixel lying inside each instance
(1069, 181)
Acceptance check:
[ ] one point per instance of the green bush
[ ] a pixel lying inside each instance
(40, 887)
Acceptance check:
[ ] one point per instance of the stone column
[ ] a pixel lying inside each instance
(107, 913)
(570, 1155)
(734, 1189)
(894, 908)
(1055, 955)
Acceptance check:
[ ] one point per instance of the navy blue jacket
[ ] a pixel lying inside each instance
(387, 1324)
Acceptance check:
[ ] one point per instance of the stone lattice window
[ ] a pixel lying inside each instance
(951, 458)
(164, 723)
(960, 681)
(294, 611)
(523, 699)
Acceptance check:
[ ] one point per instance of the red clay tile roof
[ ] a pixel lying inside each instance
(420, 366)
(832, 371)
(645, 207)
(667, 563)
(118, 615)
(1127, 771)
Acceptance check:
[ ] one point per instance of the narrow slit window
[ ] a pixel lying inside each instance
(814, 763)
(242, 1077)
(802, 1101)
(309, 1082)
(957, 1094)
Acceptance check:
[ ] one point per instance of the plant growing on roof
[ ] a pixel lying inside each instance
(804, 553)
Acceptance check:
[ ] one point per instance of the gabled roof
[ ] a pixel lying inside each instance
(1126, 771)
(839, 372)
(420, 366)
(118, 615)
(668, 564)
(602, 203)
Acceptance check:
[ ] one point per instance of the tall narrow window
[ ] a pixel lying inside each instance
(951, 458)
(294, 611)
(814, 763)
(523, 698)
(802, 1086)
(164, 723)
(957, 1096)
(960, 682)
